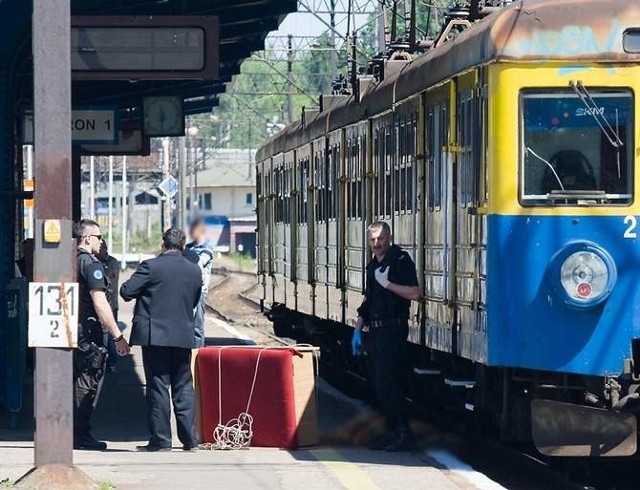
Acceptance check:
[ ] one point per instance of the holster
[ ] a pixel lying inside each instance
(92, 357)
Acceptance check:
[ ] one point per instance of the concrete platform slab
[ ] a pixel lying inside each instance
(337, 464)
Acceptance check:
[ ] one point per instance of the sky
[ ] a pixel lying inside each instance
(303, 23)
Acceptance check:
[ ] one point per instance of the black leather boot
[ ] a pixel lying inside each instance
(381, 442)
(403, 440)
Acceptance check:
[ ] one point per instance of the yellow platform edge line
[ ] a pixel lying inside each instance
(349, 474)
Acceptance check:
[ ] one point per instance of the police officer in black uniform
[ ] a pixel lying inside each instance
(391, 285)
(96, 322)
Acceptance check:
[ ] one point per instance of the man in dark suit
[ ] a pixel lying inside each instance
(167, 290)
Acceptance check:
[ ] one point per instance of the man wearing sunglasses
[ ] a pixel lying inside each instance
(96, 323)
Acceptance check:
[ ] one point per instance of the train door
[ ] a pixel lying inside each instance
(471, 342)
(438, 315)
(289, 229)
(262, 232)
(321, 307)
(270, 222)
(303, 182)
(404, 203)
(279, 235)
(356, 246)
(333, 192)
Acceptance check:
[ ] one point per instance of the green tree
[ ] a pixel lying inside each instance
(258, 101)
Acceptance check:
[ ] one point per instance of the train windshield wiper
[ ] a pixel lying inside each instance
(593, 109)
(583, 197)
(600, 118)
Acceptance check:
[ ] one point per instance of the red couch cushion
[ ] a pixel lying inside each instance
(272, 405)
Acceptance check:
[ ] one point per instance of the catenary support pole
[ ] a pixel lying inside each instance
(92, 187)
(182, 161)
(125, 195)
(52, 104)
(166, 203)
(110, 217)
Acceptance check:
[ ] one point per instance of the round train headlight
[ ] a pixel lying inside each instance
(584, 274)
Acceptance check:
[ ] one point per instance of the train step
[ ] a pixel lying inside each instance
(460, 383)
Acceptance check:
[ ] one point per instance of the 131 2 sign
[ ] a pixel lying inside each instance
(53, 314)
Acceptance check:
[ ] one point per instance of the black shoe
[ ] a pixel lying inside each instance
(152, 448)
(191, 449)
(403, 440)
(89, 443)
(381, 442)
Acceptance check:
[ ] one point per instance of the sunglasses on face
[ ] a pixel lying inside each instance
(99, 237)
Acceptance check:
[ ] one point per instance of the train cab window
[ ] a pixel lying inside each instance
(631, 41)
(577, 147)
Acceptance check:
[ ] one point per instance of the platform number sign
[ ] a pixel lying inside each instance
(53, 314)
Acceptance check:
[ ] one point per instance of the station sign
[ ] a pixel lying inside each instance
(131, 142)
(93, 126)
(169, 187)
(53, 314)
(144, 48)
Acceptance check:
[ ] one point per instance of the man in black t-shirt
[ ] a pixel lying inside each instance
(96, 321)
(391, 285)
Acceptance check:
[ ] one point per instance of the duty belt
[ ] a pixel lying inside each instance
(386, 321)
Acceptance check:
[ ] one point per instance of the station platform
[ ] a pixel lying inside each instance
(337, 463)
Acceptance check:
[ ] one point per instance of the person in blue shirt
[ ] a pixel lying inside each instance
(199, 251)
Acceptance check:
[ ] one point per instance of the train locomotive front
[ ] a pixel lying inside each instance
(563, 251)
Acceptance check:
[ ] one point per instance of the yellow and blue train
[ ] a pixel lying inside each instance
(505, 161)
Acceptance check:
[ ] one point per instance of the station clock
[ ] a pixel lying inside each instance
(163, 116)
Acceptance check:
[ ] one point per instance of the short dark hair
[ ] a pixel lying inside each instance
(174, 239)
(197, 222)
(80, 228)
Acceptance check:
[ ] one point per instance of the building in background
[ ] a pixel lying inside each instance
(227, 200)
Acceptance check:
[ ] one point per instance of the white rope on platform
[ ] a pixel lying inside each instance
(237, 433)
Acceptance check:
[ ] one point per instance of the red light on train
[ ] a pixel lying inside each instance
(584, 289)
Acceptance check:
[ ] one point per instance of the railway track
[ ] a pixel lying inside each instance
(232, 298)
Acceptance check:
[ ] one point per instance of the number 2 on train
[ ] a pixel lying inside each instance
(631, 223)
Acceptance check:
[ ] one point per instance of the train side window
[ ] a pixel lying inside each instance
(276, 193)
(380, 172)
(398, 169)
(443, 141)
(333, 182)
(411, 167)
(361, 180)
(469, 141)
(355, 177)
(388, 169)
(438, 141)
(305, 188)
(302, 190)
(464, 157)
(431, 152)
(286, 194)
(319, 186)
